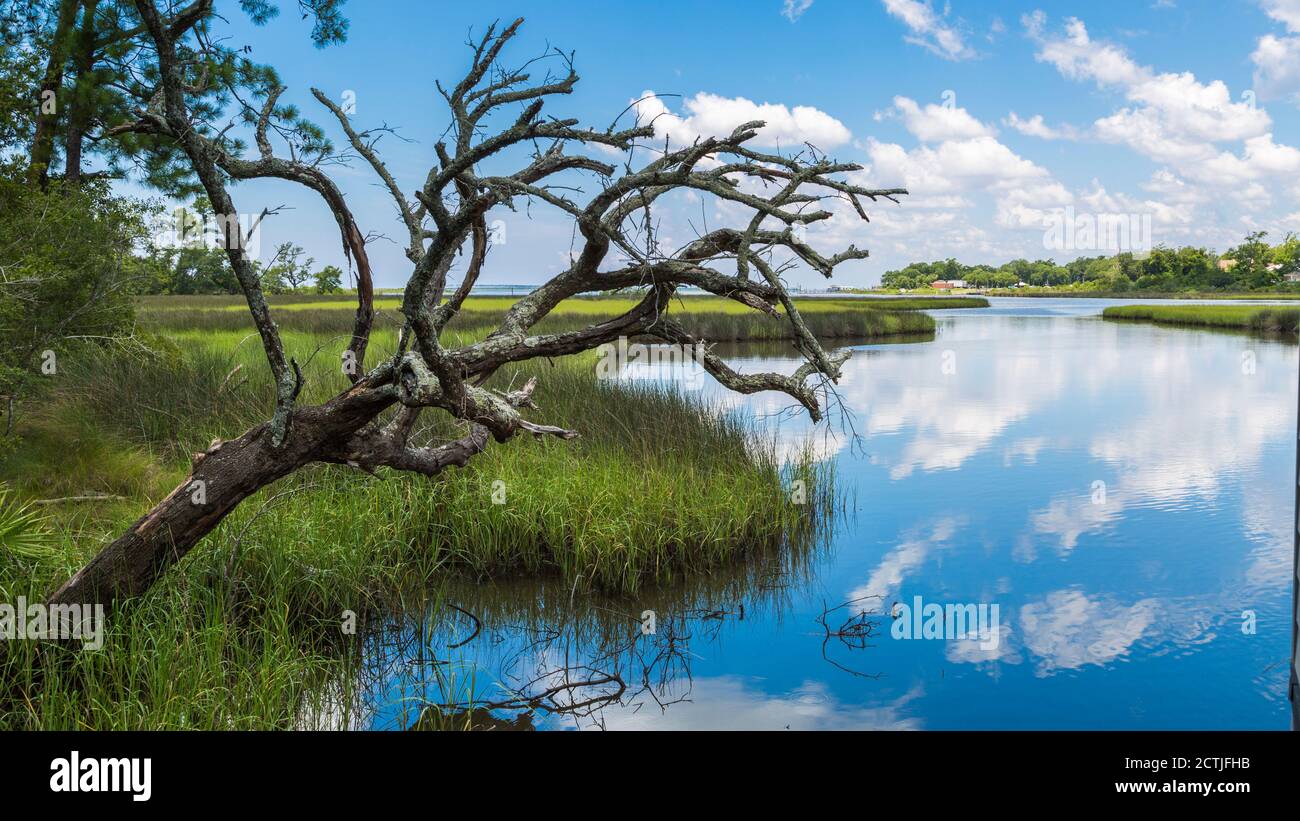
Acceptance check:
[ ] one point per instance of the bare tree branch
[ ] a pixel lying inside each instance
(496, 114)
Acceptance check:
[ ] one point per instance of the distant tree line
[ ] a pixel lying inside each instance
(1251, 266)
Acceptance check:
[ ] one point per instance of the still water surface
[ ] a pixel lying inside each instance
(1121, 492)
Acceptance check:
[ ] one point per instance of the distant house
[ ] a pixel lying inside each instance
(941, 285)
(1293, 277)
(1229, 264)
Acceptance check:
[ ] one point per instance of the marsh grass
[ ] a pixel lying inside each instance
(607, 305)
(247, 630)
(473, 323)
(1252, 318)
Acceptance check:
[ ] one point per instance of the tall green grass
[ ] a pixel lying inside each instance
(474, 323)
(1244, 317)
(919, 303)
(605, 305)
(246, 630)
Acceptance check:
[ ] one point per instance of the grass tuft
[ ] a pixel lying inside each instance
(1244, 317)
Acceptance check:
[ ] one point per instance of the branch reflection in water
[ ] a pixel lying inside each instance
(523, 654)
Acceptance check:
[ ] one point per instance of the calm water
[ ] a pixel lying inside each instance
(1121, 492)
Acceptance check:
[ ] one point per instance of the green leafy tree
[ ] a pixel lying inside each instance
(1129, 267)
(20, 73)
(1254, 258)
(1287, 255)
(94, 75)
(287, 270)
(67, 270)
(329, 280)
(1020, 269)
(186, 259)
(1197, 268)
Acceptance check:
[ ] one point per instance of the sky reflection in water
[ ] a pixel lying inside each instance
(974, 486)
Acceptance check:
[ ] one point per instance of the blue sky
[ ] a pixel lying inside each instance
(1185, 111)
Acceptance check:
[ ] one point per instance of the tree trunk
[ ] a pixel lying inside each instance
(47, 116)
(80, 108)
(221, 478)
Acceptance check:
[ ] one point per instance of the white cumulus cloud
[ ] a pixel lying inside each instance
(1035, 126)
(1277, 59)
(1196, 129)
(937, 123)
(711, 115)
(1286, 12)
(929, 29)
